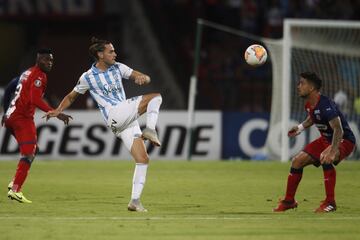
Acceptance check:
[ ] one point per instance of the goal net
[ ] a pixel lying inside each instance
(332, 50)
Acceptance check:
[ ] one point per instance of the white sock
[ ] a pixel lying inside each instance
(152, 112)
(139, 179)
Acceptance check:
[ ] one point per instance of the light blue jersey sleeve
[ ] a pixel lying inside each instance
(125, 71)
(82, 85)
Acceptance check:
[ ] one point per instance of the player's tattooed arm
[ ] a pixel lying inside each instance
(338, 132)
(331, 153)
(139, 78)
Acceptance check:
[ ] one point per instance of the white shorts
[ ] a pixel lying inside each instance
(123, 122)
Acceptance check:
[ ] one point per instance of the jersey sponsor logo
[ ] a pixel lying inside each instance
(317, 111)
(37, 83)
(318, 117)
(328, 109)
(108, 88)
(321, 127)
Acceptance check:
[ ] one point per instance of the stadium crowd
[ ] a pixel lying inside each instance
(225, 81)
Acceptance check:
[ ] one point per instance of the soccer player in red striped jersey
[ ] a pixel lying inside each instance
(336, 142)
(19, 116)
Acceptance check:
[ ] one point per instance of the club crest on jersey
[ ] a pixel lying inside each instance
(116, 77)
(37, 83)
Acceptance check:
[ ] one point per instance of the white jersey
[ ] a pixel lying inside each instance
(106, 87)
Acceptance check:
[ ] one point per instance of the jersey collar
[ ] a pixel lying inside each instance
(308, 105)
(94, 69)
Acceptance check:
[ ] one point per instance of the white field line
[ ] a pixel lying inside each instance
(195, 218)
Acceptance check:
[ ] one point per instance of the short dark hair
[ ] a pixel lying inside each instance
(313, 78)
(97, 45)
(44, 51)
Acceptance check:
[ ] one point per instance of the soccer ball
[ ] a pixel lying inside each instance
(255, 55)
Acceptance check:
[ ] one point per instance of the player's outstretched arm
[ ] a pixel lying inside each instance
(296, 130)
(65, 103)
(139, 78)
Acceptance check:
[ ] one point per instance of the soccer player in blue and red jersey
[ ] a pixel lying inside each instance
(336, 142)
(26, 94)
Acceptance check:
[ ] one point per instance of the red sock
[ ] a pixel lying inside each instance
(329, 182)
(294, 179)
(21, 173)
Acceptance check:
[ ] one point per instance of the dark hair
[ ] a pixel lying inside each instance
(313, 78)
(97, 45)
(44, 51)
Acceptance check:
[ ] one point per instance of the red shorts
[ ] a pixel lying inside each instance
(24, 131)
(316, 147)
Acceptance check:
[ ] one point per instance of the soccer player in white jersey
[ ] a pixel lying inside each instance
(104, 82)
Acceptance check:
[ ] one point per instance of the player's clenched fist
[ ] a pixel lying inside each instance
(294, 131)
(142, 79)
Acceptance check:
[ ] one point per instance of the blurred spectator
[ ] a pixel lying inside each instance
(274, 17)
(341, 99)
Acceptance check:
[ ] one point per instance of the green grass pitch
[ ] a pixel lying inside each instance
(186, 200)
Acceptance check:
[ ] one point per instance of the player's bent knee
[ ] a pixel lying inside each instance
(297, 162)
(142, 159)
(145, 158)
(156, 97)
(295, 159)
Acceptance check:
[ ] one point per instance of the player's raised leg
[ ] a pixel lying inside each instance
(150, 104)
(301, 160)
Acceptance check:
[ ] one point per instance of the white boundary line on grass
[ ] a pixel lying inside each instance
(330, 218)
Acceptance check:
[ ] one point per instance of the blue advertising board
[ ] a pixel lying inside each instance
(244, 135)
